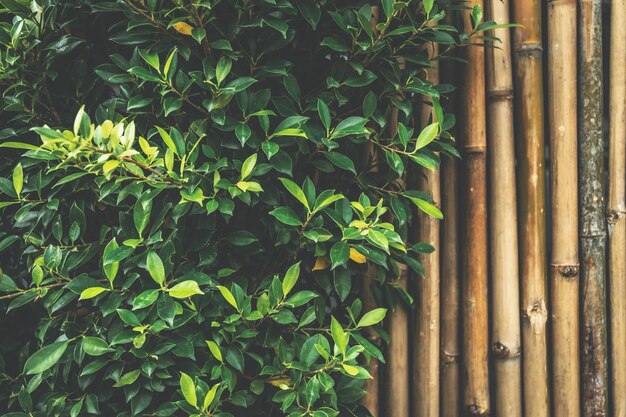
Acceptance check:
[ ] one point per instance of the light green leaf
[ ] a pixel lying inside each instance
(248, 166)
(296, 191)
(185, 289)
(426, 136)
(45, 358)
(18, 179)
(339, 336)
(155, 267)
(291, 277)
(188, 388)
(215, 350)
(92, 292)
(372, 317)
(228, 296)
(167, 139)
(208, 399)
(426, 207)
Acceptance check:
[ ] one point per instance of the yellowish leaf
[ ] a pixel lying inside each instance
(282, 382)
(356, 256)
(321, 263)
(183, 27)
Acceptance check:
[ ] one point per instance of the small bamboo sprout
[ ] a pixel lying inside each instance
(426, 329)
(506, 343)
(592, 215)
(473, 145)
(617, 206)
(564, 190)
(532, 204)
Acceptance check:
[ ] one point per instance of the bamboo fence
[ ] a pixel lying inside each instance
(522, 309)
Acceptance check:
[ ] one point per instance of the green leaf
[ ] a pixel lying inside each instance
(215, 350)
(339, 336)
(228, 296)
(428, 6)
(378, 239)
(324, 113)
(18, 179)
(94, 346)
(185, 289)
(188, 388)
(110, 268)
(341, 161)
(37, 275)
(145, 299)
(222, 69)
(296, 191)
(372, 317)
(151, 58)
(291, 277)
(92, 292)
(127, 378)
(339, 254)
(287, 216)
(155, 268)
(45, 358)
(19, 145)
(248, 166)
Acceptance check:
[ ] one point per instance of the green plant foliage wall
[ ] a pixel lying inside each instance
(189, 199)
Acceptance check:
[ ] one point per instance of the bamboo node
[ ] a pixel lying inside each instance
(566, 271)
(530, 47)
(537, 314)
(504, 95)
(449, 358)
(501, 351)
(477, 410)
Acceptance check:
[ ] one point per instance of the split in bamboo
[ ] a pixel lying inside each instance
(592, 214)
(506, 343)
(426, 329)
(473, 145)
(564, 189)
(617, 206)
(532, 204)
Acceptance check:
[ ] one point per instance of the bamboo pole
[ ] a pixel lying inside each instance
(426, 325)
(532, 204)
(371, 398)
(450, 393)
(563, 150)
(592, 216)
(617, 206)
(397, 384)
(506, 343)
(473, 145)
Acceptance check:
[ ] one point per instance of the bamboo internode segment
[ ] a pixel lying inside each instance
(426, 329)
(617, 206)
(592, 211)
(450, 304)
(371, 388)
(473, 145)
(528, 52)
(564, 218)
(506, 339)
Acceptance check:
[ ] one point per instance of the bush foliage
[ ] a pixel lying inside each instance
(192, 240)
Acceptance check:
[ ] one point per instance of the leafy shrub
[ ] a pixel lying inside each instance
(197, 238)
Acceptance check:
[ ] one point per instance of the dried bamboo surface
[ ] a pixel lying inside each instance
(528, 51)
(564, 217)
(506, 338)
